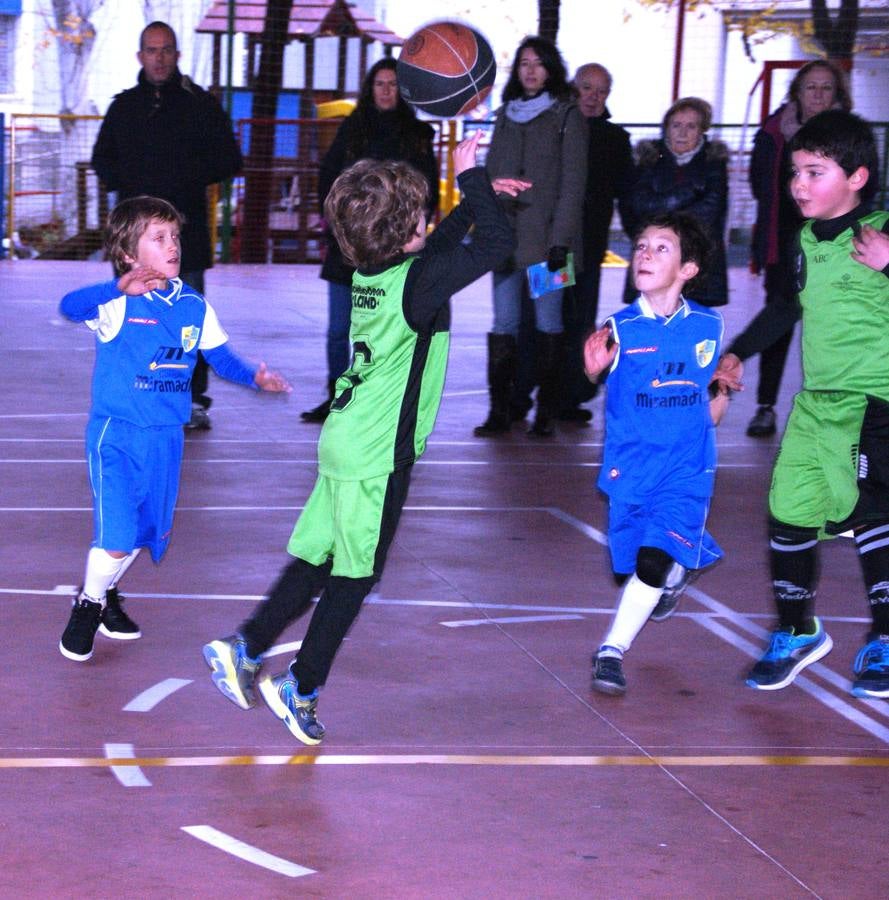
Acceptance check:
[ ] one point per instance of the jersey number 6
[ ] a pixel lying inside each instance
(359, 349)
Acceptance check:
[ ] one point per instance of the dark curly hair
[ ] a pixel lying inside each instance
(373, 209)
(127, 223)
(557, 76)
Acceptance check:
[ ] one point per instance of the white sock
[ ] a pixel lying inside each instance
(101, 571)
(675, 575)
(635, 606)
(126, 563)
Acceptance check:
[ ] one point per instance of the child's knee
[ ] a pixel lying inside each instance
(653, 566)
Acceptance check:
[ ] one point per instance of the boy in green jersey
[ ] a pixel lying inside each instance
(832, 471)
(383, 410)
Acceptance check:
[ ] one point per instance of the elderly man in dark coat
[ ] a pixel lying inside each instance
(609, 173)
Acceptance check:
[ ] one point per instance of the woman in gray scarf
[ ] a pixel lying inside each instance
(540, 136)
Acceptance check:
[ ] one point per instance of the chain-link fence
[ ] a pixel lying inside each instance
(56, 207)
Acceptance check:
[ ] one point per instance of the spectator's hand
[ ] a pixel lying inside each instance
(141, 280)
(270, 381)
(871, 248)
(557, 258)
(728, 374)
(465, 153)
(511, 186)
(599, 351)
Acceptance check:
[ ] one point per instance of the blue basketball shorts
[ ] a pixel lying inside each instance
(671, 522)
(134, 477)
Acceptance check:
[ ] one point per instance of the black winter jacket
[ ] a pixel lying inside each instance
(169, 141)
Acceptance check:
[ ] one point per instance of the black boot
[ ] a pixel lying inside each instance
(549, 368)
(501, 375)
(320, 412)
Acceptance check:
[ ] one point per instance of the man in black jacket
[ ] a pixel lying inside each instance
(169, 138)
(609, 172)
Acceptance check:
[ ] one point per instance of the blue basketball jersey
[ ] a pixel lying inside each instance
(658, 431)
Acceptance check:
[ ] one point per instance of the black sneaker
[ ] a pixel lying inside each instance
(763, 423)
(200, 419)
(671, 596)
(871, 667)
(608, 675)
(115, 622)
(77, 638)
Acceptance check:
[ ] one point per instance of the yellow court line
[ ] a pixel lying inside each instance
(338, 759)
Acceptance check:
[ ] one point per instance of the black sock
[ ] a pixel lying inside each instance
(874, 559)
(794, 562)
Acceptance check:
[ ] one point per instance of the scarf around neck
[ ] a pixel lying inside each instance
(522, 110)
(683, 159)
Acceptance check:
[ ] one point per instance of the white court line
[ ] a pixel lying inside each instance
(128, 776)
(150, 697)
(281, 649)
(841, 707)
(228, 844)
(464, 623)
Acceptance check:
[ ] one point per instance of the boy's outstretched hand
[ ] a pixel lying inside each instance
(871, 248)
(270, 381)
(599, 351)
(728, 374)
(141, 280)
(465, 153)
(511, 186)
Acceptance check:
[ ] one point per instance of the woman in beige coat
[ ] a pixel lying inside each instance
(540, 136)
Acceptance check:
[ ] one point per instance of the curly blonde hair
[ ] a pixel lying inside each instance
(127, 223)
(374, 208)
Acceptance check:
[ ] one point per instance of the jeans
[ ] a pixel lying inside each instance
(508, 290)
(339, 316)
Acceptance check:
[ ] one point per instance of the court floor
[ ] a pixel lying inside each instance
(466, 756)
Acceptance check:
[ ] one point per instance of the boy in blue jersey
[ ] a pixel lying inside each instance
(149, 327)
(382, 413)
(666, 393)
(832, 472)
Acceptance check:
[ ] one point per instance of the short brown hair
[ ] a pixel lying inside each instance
(127, 223)
(841, 89)
(374, 208)
(695, 104)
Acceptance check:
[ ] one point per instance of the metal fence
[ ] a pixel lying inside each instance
(56, 207)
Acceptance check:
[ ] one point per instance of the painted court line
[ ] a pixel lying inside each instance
(228, 844)
(150, 697)
(129, 775)
(281, 649)
(464, 623)
(126, 760)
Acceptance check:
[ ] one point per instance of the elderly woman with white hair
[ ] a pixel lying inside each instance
(684, 171)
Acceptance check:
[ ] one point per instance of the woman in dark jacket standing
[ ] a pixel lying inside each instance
(817, 86)
(684, 171)
(382, 126)
(541, 136)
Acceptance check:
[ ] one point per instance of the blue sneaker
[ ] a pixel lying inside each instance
(233, 671)
(787, 655)
(872, 668)
(293, 709)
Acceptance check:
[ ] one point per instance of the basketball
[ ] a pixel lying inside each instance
(445, 69)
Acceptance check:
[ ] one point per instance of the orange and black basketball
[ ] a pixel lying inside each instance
(445, 69)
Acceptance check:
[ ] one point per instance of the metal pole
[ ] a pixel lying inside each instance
(227, 185)
(677, 57)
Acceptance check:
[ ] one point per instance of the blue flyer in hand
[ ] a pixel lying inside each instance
(541, 281)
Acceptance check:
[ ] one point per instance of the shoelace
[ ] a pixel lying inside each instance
(874, 655)
(779, 643)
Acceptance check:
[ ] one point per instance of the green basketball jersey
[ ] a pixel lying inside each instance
(845, 316)
(386, 402)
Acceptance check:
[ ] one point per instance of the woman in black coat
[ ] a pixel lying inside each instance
(382, 126)
(686, 171)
